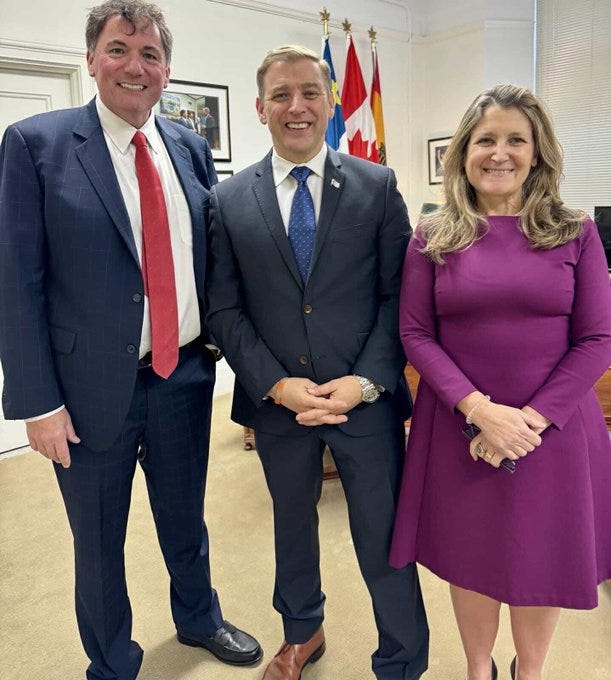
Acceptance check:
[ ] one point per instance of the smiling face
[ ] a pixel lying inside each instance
(296, 105)
(130, 68)
(499, 157)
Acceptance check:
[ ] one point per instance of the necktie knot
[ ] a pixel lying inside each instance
(139, 139)
(300, 173)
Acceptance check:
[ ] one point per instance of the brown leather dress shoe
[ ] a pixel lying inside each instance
(290, 660)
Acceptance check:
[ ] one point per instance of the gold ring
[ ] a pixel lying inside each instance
(481, 450)
(488, 456)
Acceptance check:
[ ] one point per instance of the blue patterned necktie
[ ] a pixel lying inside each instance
(302, 222)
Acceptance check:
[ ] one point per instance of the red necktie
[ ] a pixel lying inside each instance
(157, 262)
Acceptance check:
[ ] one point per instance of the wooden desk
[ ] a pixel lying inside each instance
(603, 390)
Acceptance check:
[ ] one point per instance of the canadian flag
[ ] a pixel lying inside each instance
(360, 126)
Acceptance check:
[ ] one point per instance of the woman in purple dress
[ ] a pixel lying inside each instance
(506, 315)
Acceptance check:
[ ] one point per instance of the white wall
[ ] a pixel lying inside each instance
(464, 48)
(448, 71)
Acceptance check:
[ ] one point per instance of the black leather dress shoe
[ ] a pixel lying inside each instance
(229, 644)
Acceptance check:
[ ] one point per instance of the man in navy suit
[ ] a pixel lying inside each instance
(305, 263)
(76, 336)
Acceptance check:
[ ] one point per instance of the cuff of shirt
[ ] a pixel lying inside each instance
(44, 415)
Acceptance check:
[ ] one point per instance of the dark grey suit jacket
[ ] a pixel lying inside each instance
(343, 321)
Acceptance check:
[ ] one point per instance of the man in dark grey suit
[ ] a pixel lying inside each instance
(305, 263)
(82, 359)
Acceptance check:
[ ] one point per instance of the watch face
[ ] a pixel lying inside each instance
(370, 395)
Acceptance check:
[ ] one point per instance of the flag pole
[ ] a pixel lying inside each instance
(324, 17)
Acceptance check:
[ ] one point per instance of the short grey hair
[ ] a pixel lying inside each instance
(131, 11)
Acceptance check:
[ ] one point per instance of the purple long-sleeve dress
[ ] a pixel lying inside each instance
(525, 326)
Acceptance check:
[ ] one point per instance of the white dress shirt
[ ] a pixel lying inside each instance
(118, 135)
(287, 185)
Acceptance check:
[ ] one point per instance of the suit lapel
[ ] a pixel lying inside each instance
(265, 193)
(93, 155)
(333, 185)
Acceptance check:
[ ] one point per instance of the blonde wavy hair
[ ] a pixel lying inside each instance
(544, 219)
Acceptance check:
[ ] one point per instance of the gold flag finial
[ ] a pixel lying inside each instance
(372, 35)
(347, 26)
(324, 17)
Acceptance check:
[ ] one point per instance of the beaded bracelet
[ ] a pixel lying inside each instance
(469, 418)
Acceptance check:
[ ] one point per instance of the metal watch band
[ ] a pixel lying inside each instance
(370, 392)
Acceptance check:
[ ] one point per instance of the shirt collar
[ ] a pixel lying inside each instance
(120, 132)
(281, 167)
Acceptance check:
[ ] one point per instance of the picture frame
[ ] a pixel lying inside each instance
(193, 98)
(223, 174)
(437, 149)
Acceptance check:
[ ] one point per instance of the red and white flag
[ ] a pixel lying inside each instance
(360, 126)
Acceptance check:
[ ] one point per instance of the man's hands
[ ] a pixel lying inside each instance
(314, 404)
(345, 391)
(50, 436)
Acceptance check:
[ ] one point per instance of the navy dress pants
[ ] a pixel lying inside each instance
(167, 430)
(369, 469)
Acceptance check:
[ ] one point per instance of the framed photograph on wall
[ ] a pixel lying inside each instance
(437, 149)
(202, 107)
(223, 174)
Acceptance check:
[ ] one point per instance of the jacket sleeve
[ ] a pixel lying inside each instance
(30, 383)
(382, 359)
(248, 356)
(589, 353)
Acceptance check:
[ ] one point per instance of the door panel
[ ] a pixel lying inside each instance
(25, 92)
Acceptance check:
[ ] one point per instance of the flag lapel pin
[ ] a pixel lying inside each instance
(335, 184)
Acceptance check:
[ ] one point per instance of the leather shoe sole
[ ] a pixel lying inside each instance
(315, 655)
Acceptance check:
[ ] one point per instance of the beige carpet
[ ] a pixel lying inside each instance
(39, 640)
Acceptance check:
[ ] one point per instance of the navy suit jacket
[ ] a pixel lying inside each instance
(71, 290)
(343, 321)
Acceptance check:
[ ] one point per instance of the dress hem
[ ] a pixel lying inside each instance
(524, 601)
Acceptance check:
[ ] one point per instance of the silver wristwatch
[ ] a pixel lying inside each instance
(370, 392)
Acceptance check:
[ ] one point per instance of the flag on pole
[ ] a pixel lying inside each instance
(336, 130)
(376, 105)
(357, 112)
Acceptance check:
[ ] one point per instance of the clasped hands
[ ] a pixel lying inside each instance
(506, 432)
(325, 404)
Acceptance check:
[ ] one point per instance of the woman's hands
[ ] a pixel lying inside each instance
(506, 432)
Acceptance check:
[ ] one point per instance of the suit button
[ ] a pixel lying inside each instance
(307, 309)
(137, 297)
(303, 360)
(131, 349)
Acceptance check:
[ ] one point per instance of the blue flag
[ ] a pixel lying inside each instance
(336, 130)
